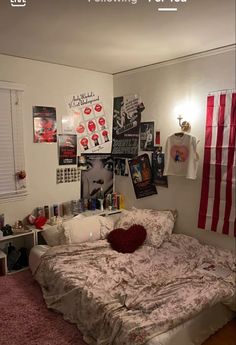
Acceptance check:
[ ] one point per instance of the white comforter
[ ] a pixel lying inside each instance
(126, 299)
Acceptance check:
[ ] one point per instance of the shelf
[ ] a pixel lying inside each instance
(7, 238)
(100, 213)
(16, 271)
(3, 263)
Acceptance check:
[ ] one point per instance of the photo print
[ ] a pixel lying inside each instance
(146, 136)
(158, 165)
(121, 167)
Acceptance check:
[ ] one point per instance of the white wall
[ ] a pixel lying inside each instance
(47, 85)
(164, 89)
(161, 88)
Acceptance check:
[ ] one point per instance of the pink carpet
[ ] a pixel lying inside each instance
(25, 319)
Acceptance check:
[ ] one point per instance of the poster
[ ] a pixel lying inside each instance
(88, 119)
(146, 136)
(44, 122)
(158, 164)
(126, 123)
(121, 167)
(67, 149)
(141, 174)
(97, 179)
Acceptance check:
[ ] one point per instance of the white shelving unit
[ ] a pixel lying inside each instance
(26, 239)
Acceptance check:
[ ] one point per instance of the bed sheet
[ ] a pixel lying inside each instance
(134, 298)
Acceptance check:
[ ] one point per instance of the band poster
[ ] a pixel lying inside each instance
(44, 124)
(141, 174)
(87, 118)
(67, 149)
(126, 123)
(147, 136)
(158, 164)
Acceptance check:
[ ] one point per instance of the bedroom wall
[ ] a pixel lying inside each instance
(47, 85)
(167, 90)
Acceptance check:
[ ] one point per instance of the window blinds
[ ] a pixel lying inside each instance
(11, 143)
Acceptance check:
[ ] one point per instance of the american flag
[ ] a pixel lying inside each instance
(217, 205)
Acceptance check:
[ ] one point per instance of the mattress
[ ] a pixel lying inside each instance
(196, 330)
(35, 256)
(192, 332)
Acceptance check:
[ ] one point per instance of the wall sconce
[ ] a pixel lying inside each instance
(185, 125)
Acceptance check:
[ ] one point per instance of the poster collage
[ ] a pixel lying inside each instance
(86, 134)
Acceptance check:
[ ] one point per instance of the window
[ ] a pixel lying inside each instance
(11, 142)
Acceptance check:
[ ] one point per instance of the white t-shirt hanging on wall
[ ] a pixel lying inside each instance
(181, 157)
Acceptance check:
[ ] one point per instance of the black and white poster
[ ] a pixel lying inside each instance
(158, 164)
(67, 149)
(146, 136)
(126, 123)
(141, 174)
(97, 179)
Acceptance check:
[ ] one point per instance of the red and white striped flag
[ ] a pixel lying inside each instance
(217, 206)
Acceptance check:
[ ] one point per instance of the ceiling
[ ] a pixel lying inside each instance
(114, 35)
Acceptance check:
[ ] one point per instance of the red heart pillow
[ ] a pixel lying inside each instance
(127, 241)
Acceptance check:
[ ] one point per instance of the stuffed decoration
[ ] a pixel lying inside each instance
(38, 222)
(127, 241)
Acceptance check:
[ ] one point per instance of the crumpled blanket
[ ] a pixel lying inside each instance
(127, 299)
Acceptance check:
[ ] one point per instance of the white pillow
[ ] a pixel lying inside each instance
(54, 234)
(107, 225)
(91, 228)
(158, 224)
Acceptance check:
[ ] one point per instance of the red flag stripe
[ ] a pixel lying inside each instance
(206, 163)
(218, 175)
(231, 153)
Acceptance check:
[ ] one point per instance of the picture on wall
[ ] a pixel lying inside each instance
(97, 180)
(146, 136)
(44, 124)
(126, 123)
(88, 119)
(121, 167)
(158, 164)
(141, 174)
(158, 138)
(67, 149)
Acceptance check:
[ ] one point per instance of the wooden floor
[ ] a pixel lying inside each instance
(225, 336)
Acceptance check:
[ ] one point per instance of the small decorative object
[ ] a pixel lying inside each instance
(21, 174)
(18, 228)
(38, 222)
(1, 221)
(7, 230)
(21, 177)
(100, 198)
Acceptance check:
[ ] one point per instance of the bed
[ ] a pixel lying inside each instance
(178, 292)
